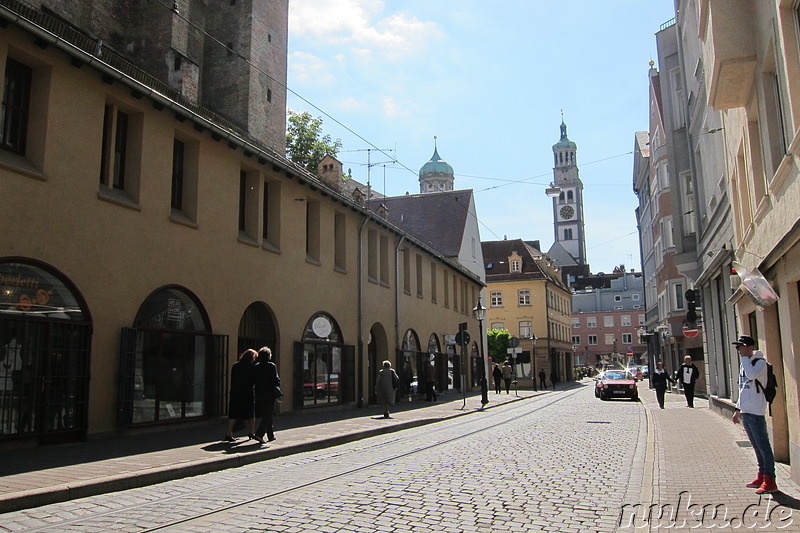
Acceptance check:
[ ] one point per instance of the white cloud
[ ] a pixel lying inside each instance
(351, 103)
(352, 22)
(307, 67)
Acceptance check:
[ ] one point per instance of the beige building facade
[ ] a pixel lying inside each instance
(147, 242)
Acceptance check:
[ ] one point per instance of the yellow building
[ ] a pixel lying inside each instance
(527, 297)
(147, 241)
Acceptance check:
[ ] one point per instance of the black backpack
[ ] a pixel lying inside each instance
(771, 388)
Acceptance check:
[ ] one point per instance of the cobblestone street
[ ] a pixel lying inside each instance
(527, 466)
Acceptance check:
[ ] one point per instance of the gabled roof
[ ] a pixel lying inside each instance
(534, 263)
(561, 256)
(437, 219)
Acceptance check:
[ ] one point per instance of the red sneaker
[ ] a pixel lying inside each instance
(767, 486)
(756, 483)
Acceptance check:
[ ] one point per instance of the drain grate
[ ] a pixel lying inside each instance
(744, 443)
(598, 422)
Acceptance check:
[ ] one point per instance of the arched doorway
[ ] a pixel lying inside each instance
(377, 352)
(45, 337)
(172, 367)
(256, 329)
(413, 361)
(324, 365)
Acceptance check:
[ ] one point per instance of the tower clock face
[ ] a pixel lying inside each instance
(567, 212)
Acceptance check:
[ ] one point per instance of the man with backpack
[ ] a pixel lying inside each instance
(751, 409)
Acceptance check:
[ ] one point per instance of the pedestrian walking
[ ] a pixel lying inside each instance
(751, 410)
(554, 378)
(267, 387)
(497, 374)
(385, 386)
(507, 374)
(241, 405)
(660, 379)
(542, 379)
(688, 374)
(430, 382)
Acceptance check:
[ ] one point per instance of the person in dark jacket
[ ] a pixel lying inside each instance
(660, 378)
(241, 405)
(386, 387)
(497, 375)
(542, 379)
(267, 381)
(687, 375)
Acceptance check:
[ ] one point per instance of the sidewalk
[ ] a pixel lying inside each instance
(40, 476)
(696, 464)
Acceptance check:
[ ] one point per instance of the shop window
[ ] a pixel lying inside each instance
(324, 365)
(44, 355)
(172, 367)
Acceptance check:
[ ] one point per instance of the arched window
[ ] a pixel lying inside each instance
(324, 365)
(570, 196)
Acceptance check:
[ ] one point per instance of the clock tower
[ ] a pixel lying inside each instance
(568, 203)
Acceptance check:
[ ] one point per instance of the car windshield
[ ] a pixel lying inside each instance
(615, 375)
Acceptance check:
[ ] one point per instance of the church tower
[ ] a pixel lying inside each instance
(568, 204)
(436, 175)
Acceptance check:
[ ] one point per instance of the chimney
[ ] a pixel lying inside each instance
(329, 172)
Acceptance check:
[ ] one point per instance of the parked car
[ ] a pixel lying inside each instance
(645, 372)
(617, 384)
(597, 379)
(636, 372)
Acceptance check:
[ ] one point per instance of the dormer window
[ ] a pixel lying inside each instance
(515, 264)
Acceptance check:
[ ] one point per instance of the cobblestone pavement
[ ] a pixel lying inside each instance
(562, 461)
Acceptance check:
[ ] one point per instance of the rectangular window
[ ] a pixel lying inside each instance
(498, 325)
(608, 321)
(372, 255)
(641, 320)
(576, 340)
(384, 259)
(626, 320)
(635, 296)
(271, 214)
(15, 106)
(340, 241)
(627, 338)
(591, 322)
(524, 296)
(178, 154)
(446, 286)
(610, 339)
(242, 201)
(678, 290)
(455, 293)
(525, 329)
(433, 282)
(576, 322)
(617, 298)
(593, 340)
(496, 299)
(407, 271)
(515, 265)
(312, 231)
(418, 258)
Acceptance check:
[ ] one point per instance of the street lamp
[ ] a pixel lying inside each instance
(480, 315)
(533, 359)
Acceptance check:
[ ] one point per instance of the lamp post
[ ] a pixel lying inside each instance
(480, 314)
(533, 359)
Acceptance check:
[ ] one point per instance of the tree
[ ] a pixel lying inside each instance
(497, 341)
(305, 143)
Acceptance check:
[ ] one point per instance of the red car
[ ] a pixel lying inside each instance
(617, 384)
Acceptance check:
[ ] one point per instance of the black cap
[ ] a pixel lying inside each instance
(745, 340)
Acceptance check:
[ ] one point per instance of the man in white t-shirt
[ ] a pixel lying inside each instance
(751, 410)
(687, 376)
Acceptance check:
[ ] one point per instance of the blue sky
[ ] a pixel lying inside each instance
(490, 79)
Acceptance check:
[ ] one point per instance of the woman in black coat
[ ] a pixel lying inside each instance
(660, 379)
(242, 400)
(267, 381)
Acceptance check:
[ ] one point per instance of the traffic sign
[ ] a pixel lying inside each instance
(513, 350)
(690, 333)
(462, 338)
(513, 342)
(629, 353)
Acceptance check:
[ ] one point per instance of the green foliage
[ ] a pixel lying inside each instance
(497, 341)
(305, 143)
